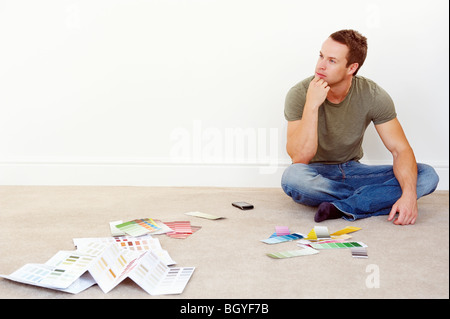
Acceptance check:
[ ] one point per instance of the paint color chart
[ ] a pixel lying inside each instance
(31, 273)
(107, 262)
(47, 276)
(274, 239)
(138, 227)
(359, 252)
(317, 239)
(146, 268)
(145, 243)
(181, 229)
(293, 253)
(337, 245)
(204, 215)
(318, 233)
(112, 266)
(282, 230)
(158, 279)
(68, 267)
(142, 243)
(346, 230)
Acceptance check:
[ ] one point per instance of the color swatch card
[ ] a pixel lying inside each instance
(36, 274)
(181, 229)
(281, 239)
(346, 230)
(282, 230)
(163, 228)
(318, 233)
(294, 253)
(112, 266)
(337, 245)
(158, 279)
(145, 242)
(93, 248)
(142, 243)
(68, 267)
(203, 215)
(65, 271)
(359, 252)
(321, 232)
(106, 264)
(114, 230)
(146, 268)
(138, 227)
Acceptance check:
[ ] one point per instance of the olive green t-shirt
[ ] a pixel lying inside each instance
(341, 127)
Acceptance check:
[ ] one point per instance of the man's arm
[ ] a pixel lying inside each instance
(302, 135)
(405, 170)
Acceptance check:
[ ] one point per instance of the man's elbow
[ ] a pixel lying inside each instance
(300, 158)
(405, 151)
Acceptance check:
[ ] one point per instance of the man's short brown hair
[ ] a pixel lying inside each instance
(356, 43)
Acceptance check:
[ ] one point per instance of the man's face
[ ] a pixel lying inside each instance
(331, 66)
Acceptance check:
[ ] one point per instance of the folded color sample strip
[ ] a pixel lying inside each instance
(65, 271)
(106, 264)
(318, 233)
(282, 230)
(158, 279)
(282, 239)
(112, 266)
(203, 215)
(293, 253)
(337, 245)
(359, 252)
(346, 230)
(68, 267)
(181, 229)
(180, 226)
(142, 243)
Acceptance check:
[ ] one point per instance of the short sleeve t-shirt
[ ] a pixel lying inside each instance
(341, 127)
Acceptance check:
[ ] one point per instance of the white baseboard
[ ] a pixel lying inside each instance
(156, 173)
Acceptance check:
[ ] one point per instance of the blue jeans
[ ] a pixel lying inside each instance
(356, 189)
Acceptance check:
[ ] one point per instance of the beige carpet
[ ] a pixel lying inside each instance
(230, 260)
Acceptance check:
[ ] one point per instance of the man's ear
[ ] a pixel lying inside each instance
(352, 68)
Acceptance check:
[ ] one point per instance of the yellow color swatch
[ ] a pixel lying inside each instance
(311, 235)
(346, 230)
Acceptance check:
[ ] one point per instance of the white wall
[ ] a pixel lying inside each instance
(191, 92)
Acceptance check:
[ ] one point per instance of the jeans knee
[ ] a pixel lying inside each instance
(299, 182)
(427, 179)
(293, 176)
